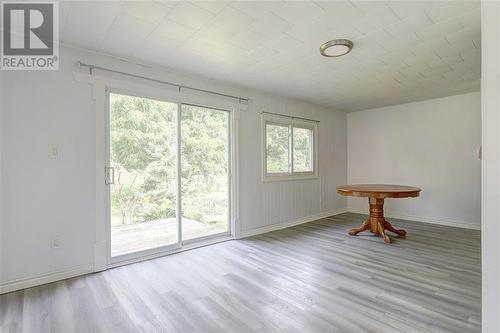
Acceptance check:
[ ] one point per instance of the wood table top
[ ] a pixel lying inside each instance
(379, 191)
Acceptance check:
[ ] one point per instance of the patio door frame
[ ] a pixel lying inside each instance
(102, 87)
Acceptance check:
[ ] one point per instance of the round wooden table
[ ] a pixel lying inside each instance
(376, 193)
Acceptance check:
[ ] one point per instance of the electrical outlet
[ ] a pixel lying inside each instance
(54, 152)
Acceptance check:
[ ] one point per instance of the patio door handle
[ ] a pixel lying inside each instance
(109, 175)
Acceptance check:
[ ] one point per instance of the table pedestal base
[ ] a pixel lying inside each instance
(376, 222)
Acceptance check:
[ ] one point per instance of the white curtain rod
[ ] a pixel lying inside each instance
(180, 86)
(287, 116)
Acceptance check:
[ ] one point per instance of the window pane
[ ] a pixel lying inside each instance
(302, 150)
(143, 152)
(204, 171)
(277, 148)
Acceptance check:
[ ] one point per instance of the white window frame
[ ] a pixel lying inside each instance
(291, 123)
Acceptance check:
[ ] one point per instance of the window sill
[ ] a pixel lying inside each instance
(267, 179)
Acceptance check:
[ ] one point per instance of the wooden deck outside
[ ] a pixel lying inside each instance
(127, 238)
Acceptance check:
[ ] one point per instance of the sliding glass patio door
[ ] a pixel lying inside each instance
(165, 158)
(205, 153)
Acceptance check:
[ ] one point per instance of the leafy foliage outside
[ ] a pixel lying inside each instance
(204, 164)
(302, 149)
(277, 148)
(143, 151)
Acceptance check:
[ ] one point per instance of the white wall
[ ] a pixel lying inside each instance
(43, 198)
(1, 175)
(490, 209)
(432, 144)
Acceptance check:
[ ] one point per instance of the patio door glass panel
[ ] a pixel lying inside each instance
(205, 171)
(143, 160)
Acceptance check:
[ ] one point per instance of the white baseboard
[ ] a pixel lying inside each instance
(287, 224)
(10, 286)
(449, 223)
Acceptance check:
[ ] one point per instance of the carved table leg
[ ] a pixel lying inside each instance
(364, 226)
(381, 232)
(376, 222)
(389, 227)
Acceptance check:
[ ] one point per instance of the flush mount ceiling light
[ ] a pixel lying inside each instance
(336, 48)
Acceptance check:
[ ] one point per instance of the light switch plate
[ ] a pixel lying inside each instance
(54, 152)
(55, 242)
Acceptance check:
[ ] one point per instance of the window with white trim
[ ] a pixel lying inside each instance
(289, 149)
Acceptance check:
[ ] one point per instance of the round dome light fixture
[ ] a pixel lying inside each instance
(336, 48)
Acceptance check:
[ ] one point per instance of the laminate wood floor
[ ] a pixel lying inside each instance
(308, 278)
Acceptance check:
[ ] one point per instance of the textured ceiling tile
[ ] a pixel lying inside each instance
(369, 6)
(212, 35)
(286, 44)
(132, 26)
(429, 45)
(212, 6)
(442, 10)
(400, 54)
(173, 31)
(247, 39)
(368, 53)
(439, 29)
(471, 18)
(261, 52)
(270, 25)
(472, 54)
(254, 10)
(421, 58)
(190, 15)
(241, 61)
(470, 75)
(203, 51)
(155, 49)
(166, 3)
(374, 38)
(452, 60)
(409, 8)
(470, 33)
(391, 58)
(231, 20)
(119, 44)
(292, 11)
(414, 71)
(374, 20)
(79, 32)
(400, 43)
(455, 49)
(409, 25)
(149, 12)
(91, 7)
(340, 11)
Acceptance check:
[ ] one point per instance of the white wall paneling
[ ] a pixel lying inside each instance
(432, 144)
